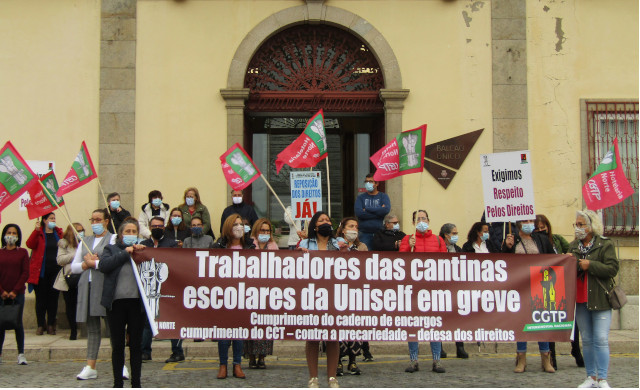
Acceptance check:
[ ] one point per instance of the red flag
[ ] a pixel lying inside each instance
(608, 185)
(403, 155)
(238, 167)
(42, 201)
(308, 149)
(15, 175)
(81, 172)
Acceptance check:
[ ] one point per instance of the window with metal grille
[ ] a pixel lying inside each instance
(607, 120)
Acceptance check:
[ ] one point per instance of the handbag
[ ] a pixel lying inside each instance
(72, 280)
(9, 314)
(617, 297)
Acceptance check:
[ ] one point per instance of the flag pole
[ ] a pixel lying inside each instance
(107, 203)
(328, 186)
(279, 201)
(53, 198)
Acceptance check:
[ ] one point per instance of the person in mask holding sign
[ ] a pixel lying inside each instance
(239, 207)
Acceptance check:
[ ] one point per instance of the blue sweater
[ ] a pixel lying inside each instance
(370, 210)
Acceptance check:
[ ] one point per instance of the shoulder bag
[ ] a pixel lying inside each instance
(617, 297)
(72, 280)
(9, 311)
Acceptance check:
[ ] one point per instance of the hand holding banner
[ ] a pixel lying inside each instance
(402, 156)
(238, 168)
(308, 149)
(81, 172)
(15, 175)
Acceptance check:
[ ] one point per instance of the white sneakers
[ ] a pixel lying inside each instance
(603, 384)
(333, 383)
(592, 383)
(125, 373)
(313, 383)
(22, 360)
(87, 373)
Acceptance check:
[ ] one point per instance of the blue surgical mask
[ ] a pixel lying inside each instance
(97, 228)
(51, 225)
(422, 227)
(196, 231)
(129, 240)
(453, 239)
(264, 238)
(114, 204)
(247, 228)
(485, 236)
(528, 228)
(176, 221)
(81, 235)
(396, 227)
(156, 202)
(368, 187)
(189, 201)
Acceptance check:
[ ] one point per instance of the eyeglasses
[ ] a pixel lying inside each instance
(580, 225)
(420, 219)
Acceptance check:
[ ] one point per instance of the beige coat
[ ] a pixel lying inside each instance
(65, 256)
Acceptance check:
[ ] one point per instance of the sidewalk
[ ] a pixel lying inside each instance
(59, 347)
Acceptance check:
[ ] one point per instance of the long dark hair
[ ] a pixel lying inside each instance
(4, 232)
(542, 218)
(170, 225)
(475, 229)
(312, 225)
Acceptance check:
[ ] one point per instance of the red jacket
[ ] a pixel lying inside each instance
(425, 242)
(37, 242)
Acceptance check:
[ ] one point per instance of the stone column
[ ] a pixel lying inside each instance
(235, 99)
(117, 99)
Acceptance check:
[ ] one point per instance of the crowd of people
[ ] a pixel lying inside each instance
(92, 272)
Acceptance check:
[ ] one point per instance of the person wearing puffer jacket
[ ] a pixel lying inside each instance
(423, 241)
(155, 208)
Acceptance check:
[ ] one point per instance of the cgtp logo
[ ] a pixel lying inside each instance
(548, 297)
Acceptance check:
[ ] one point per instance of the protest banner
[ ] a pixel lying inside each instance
(402, 156)
(507, 185)
(82, 172)
(359, 296)
(42, 202)
(15, 175)
(306, 194)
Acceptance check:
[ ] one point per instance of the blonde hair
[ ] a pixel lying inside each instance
(593, 219)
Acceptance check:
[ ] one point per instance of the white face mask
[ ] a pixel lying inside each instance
(237, 199)
(237, 231)
(11, 240)
(350, 235)
(581, 233)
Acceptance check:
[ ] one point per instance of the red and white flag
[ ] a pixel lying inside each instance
(403, 155)
(42, 202)
(81, 172)
(16, 176)
(238, 167)
(308, 149)
(608, 185)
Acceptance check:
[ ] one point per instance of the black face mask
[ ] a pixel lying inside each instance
(157, 233)
(325, 229)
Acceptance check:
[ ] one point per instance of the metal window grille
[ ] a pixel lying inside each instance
(606, 121)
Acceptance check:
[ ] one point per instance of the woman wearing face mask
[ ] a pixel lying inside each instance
(198, 239)
(155, 208)
(14, 271)
(232, 238)
(176, 227)
(90, 311)
(423, 241)
(478, 240)
(67, 247)
(320, 237)
(528, 242)
(43, 271)
(449, 233)
(262, 236)
(597, 268)
(192, 207)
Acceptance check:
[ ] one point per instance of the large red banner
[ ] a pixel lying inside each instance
(364, 296)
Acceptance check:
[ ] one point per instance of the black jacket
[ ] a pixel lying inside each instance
(384, 240)
(165, 242)
(542, 242)
(117, 217)
(245, 211)
(223, 243)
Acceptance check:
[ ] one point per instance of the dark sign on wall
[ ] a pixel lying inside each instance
(443, 158)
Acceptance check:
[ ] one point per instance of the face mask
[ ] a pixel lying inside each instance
(581, 233)
(528, 228)
(156, 202)
(247, 228)
(97, 228)
(237, 199)
(325, 230)
(422, 227)
(196, 231)
(368, 187)
(51, 225)
(485, 236)
(157, 233)
(264, 238)
(114, 204)
(129, 240)
(81, 235)
(351, 235)
(176, 221)
(396, 227)
(11, 240)
(190, 201)
(453, 239)
(237, 231)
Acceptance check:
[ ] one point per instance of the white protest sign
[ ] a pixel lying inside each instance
(40, 168)
(306, 194)
(508, 186)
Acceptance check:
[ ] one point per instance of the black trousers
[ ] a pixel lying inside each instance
(47, 300)
(71, 304)
(126, 315)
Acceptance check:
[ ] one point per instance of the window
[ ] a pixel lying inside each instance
(607, 120)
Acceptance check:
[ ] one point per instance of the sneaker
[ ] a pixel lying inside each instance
(22, 360)
(353, 369)
(174, 358)
(125, 373)
(146, 356)
(368, 359)
(603, 384)
(340, 370)
(333, 383)
(437, 367)
(413, 367)
(588, 383)
(87, 373)
(313, 383)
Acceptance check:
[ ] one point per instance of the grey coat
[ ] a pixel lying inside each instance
(90, 305)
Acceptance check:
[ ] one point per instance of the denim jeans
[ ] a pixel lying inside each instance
(223, 351)
(366, 238)
(436, 348)
(594, 328)
(543, 346)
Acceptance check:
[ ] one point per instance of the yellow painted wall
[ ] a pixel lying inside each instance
(49, 90)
